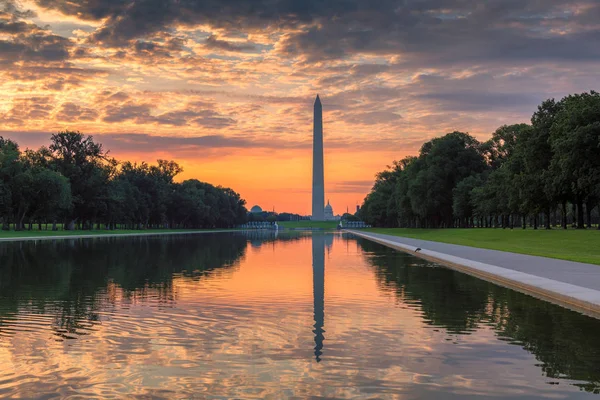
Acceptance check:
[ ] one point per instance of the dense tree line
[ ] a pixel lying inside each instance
(76, 183)
(268, 216)
(538, 174)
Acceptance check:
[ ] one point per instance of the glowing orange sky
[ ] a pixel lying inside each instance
(226, 90)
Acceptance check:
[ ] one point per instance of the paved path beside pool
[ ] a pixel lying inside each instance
(571, 284)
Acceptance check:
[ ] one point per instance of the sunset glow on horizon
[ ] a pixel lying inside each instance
(226, 88)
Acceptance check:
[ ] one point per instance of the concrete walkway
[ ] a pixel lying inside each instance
(567, 283)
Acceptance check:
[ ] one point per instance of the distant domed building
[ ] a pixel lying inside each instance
(328, 212)
(256, 210)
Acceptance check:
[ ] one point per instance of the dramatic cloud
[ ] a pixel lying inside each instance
(139, 113)
(206, 118)
(213, 43)
(435, 30)
(34, 46)
(352, 187)
(25, 110)
(71, 112)
(240, 76)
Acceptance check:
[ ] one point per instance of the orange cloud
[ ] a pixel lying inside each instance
(228, 91)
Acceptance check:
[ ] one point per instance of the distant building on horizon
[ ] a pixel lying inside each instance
(328, 214)
(256, 210)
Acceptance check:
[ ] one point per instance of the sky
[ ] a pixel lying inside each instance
(226, 87)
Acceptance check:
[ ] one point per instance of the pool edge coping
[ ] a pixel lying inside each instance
(108, 235)
(576, 298)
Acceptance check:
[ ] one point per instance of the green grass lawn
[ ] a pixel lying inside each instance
(38, 233)
(573, 245)
(309, 224)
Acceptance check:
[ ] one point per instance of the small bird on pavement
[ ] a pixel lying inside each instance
(417, 249)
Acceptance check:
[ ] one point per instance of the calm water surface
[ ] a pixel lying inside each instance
(255, 316)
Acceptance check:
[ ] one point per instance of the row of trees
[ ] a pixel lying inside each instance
(537, 173)
(268, 216)
(74, 181)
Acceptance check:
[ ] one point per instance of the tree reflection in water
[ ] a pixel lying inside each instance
(64, 277)
(559, 338)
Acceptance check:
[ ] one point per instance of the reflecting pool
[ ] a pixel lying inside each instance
(235, 315)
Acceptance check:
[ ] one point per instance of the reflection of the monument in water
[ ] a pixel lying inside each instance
(319, 241)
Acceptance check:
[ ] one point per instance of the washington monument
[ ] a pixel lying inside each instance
(318, 185)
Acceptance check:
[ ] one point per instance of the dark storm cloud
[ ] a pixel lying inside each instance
(213, 122)
(161, 46)
(15, 27)
(129, 19)
(352, 187)
(27, 42)
(87, 9)
(118, 96)
(128, 142)
(213, 43)
(138, 113)
(142, 113)
(477, 92)
(71, 112)
(432, 31)
(372, 118)
(473, 101)
(266, 99)
(27, 109)
(184, 146)
(430, 38)
(177, 118)
(204, 118)
(41, 47)
(8, 9)
(148, 143)
(149, 48)
(53, 78)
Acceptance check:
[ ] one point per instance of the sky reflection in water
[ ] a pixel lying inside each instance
(251, 316)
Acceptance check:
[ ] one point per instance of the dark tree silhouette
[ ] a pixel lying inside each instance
(75, 180)
(525, 174)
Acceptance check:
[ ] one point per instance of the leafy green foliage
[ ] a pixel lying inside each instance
(575, 141)
(75, 181)
(524, 172)
(418, 191)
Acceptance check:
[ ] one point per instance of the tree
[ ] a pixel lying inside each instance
(75, 179)
(575, 140)
(523, 171)
(418, 191)
(85, 164)
(446, 161)
(462, 199)
(349, 217)
(187, 207)
(10, 166)
(52, 196)
(546, 186)
(380, 207)
(503, 143)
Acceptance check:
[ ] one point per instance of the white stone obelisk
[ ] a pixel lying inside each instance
(318, 183)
